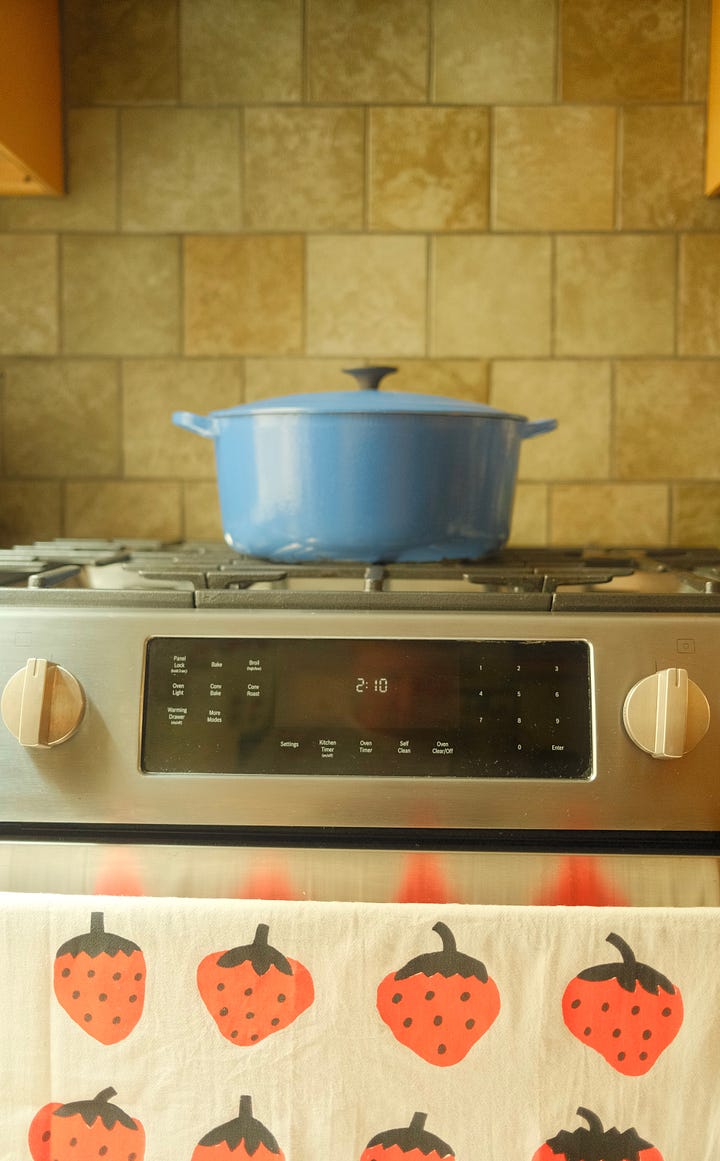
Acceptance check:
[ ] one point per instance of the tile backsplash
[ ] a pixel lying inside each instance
(504, 199)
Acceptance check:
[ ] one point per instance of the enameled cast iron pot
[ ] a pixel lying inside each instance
(365, 475)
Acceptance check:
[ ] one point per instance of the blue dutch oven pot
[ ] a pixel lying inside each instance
(365, 475)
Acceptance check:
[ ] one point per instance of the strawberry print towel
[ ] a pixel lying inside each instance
(141, 1029)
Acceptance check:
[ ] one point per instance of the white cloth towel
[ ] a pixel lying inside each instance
(194, 1030)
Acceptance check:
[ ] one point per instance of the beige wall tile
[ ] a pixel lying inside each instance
(529, 527)
(61, 418)
(269, 378)
(428, 169)
(615, 51)
(615, 294)
(120, 52)
(490, 296)
(122, 508)
(698, 291)
(234, 51)
(601, 514)
(90, 202)
(577, 394)
(152, 390)
(362, 52)
(120, 295)
(493, 54)
(696, 514)
(180, 169)
(366, 293)
(663, 170)
(667, 420)
(553, 168)
(28, 294)
(243, 295)
(465, 379)
(698, 49)
(29, 511)
(304, 168)
(202, 512)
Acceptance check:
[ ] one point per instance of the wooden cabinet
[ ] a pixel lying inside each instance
(31, 143)
(712, 156)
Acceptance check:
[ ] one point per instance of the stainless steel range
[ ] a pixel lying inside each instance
(204, 718)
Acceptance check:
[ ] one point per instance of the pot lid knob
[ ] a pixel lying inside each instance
(369, 378)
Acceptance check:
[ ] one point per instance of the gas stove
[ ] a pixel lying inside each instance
(149, 684)
(208, 575)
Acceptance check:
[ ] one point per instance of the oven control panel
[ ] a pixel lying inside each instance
(369, 707)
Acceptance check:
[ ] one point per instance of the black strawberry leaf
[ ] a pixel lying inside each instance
(97, 941)
(243, 1128)
(261, 954)
(594, 1144)
(629, 972)
(448, 962)
(98, 1108)
(412, 1136)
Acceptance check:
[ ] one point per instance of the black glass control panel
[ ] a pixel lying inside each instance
(368, 707)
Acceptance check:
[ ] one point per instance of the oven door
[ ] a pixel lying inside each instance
(513, 869)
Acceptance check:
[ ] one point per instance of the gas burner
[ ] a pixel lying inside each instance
(206, 575)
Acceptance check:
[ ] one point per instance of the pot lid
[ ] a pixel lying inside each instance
(368, 399)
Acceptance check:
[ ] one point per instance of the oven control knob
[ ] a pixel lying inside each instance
(42, 704)
(666, 714)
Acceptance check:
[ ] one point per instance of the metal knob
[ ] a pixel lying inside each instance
(369, 378)
(666, 714)
(42, 704)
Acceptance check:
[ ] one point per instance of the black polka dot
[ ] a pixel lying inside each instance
(635, 1009)
(282, 998)
(117, 975)
(575, 1004)
(234, 1033)
(65, 973)
(469, 1024)
(407, 1022)
(666, 1012)
(221, 987)
(91, 973)
(397, 998)
(138, 975)
(102, 997)
(465, 996)
(87, 1017)
(606, 1007)
(116, 1019)
(617, 1032)
(132, 999)
(437, 1021)
(647, 1034)
(249, 1015)
(46, 1135)
(429, 995)
(255, 1036)
(223, 1011)
(248, 991)
(275, 1021)
(621, 1055)
(587, 1031)
(76, 995)
(442, 1049)
(643, 1055)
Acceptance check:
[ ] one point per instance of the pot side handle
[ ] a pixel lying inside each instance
(201, 424)
(538, 427)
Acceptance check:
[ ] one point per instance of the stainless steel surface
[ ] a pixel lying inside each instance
(90, 607)
(367, 874)
(95, 776)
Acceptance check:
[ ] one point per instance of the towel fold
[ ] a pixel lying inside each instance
(219, 1030)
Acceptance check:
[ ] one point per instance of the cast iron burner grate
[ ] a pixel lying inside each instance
(204, 575)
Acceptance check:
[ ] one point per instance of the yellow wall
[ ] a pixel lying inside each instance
(505, 199)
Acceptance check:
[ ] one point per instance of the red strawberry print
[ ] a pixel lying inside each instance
(596, 1144)
(627, 1011)
(99, 979)
(440, 1003)
(253, 991)
(86, 1131)
(412, 1143)
(242, 1138)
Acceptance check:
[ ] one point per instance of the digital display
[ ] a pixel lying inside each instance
(367, 707)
